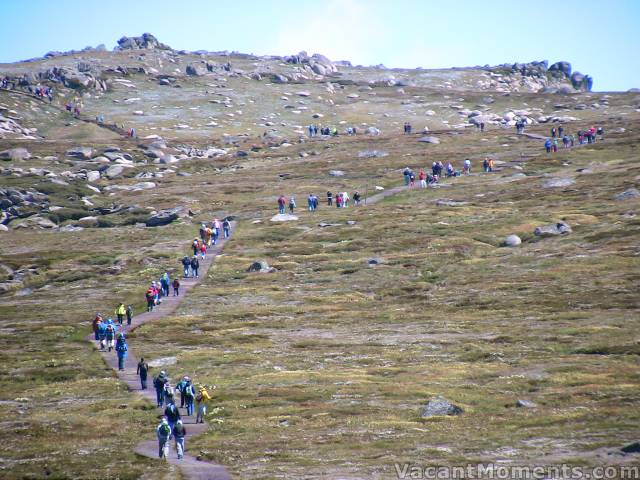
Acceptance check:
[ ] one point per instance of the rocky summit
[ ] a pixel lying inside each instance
(363, 266)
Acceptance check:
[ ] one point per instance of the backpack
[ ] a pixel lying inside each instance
(188, 391)
(165, 430)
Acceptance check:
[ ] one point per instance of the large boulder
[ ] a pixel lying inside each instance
(429, 139)
(439, 406)
(561, 68)
(581, 82)
(512, 241)
(164, 217)
(15, 154)
(82, 153)
(261, 266)
(114, 171)
(553, 229)
(195, 70)
(627, 194)
(145, 41)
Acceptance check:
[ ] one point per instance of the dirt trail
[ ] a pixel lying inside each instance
(191, 467)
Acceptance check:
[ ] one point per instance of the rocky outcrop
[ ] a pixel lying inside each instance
(144, 42)
(164, 217)
(318, 64)
(558, 76)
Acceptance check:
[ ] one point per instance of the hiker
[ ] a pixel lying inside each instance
(450, 170)
(466, 166)
(600, 132)
(310, 202)
(208, 233)
(158, 384)
(180, 388)
(412, 180)
(203, 251)
(565, 142)
(120, 313)
(201, 231)
(422, 177)
(356, 197)
(492, 164)
(482, 126)
(189, 394)
(173, 415)
(129, 314)
(176, 287)
(215, 230)
(572, 140)
(164, 432)
(165, 281)
(95, 324)
(142, 371)
(150, 296)
(547, 145)
(226, 228)
(110, 334)
(168, 393)
(121, 351)
(485, 165)
(553, 132)
(186, 263)
(195, 246)
(292, 204)
(560, 131)
(338, 200)
(201, 400)
(329, 198)
(406, 173)
(345, 199)
(179, 432)
(555, 145)
(195, 265)
(102, 334)
(282, 203)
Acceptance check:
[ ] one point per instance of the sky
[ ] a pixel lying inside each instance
(599, 37)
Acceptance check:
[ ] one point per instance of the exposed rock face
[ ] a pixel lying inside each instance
(82, 153)
(318, 64)
(146, 41)
(553, 229)
(15, 154)
(581, 82)
(536, 74)
(261, 266)
(440, 406)
(195, 70)
(164, 217)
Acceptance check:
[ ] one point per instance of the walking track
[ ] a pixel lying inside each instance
(191, 467)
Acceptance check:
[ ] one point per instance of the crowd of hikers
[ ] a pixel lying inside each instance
(314, 131)
(588, 136)
(340, 199)
(110, 336)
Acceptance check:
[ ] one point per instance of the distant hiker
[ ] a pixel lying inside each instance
(201, 398)
(406, 173)
(164, 432)
(356, 197)
(203, 250)
(120, 312)
(422, 177)
(150, 296)
(466, 167)
(412, 180)
(555, 145)
(553, 132)
(186, 263)
(110, 334)
(195, 265)
(95, 324)
(482, 126)
(572, 140)
(201, 231)
(158, 384)
(180, 386)
(179, 432)
(129, 314)
(121, 351)
(450, 171)
(176, 287)
(565, 141)
(215, 230)
(310, 202)
(329, 198)
(226, 228)
(338, 200)
(485, 165)
(165, 281)
(142, 371)
(345, 199)
(547, 145)
(292, 204)
(173, 414)
(102, 334)
(282, 203)
(560, 131)
(195, 246)
(600, 132)
(190, 395)
(168, 393)
(492, 164)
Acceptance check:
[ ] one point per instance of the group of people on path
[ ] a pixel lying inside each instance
(341, 200)
(314, 130)
(171, 425)
(584, 136)
(438, 171)
(159, 289)
(106, 332)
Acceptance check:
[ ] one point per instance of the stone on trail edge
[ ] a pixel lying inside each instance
(191, 468)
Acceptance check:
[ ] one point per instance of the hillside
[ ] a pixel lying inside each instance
(324, 364)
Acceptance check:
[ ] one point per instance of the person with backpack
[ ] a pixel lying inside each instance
(329, 198)
(95, 324)
(179, 432)
(292, 204)
(226, 227)
(560, 131)
(142, 371)
(129, 314)
(202, 231)
(158, 384)
(466, 166)
(150, 296)
(201, 400)
(102, 334)
(164, 432)
(547, 145)
(195, 245)
(180, 387)
(120, 313)
(186, 263)
(203, 250)
(176, 287)
(121, 351)
(165, 281)
(168, 393)
(195, 265)
(173, 415)
(282, 203)
(110, 334)
(356, 197)
(189, 396)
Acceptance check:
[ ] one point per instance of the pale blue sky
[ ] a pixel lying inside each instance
(599, 37)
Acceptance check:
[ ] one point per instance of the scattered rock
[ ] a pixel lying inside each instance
(444, 202)
(82, 153)
(114, 171)
(372, 131)
(429, 139)
(283, 217)
(558, 182)
(336, 173)
(631, 448)
(512, 241)
(440, 406)
(375, 261)
(526, 404)
(560, 228)
(15, 154)
(261, 267)
(93, 176)
(627, 194)
(163, 217)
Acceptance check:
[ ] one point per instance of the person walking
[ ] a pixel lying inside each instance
(129, 314)
(203, 250)
(226, 228)
(158, 384)
(179, 432)
(142, 371)
(165, 281)
(96, 326)
(121, 351)
(201, 399)
(356, 197)
(186, 264)
(547, 145)
(110, 334)
(173, 415)
(181, 387)
(422, 177)
(150, 296)
(282, 203)
(466, 166)
(164, 432)
(292, 204)
(189, 394)
(195, 265)
(329, 199)
(176, 287)
(102, 334)
(120, 312)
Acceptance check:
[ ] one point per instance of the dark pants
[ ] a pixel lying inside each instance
(120, 318)
(176, 291)
(182, 400)
(96, 335)
(195, 271)
(159, 396)
(189, 405)
(121, 362)
(128, 319)
(143, 382)
(150, 305)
